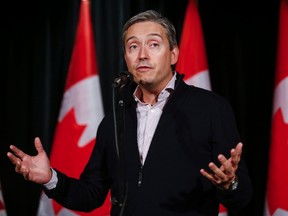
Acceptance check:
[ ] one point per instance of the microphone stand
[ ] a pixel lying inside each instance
(119, 131)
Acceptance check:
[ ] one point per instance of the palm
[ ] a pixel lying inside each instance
(39, 167)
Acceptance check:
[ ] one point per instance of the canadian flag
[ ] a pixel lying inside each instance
(2, 206)
(192, 58)
(80, 114)
(277, 188)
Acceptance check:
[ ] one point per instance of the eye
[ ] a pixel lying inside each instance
(132, 47)
(154, 45)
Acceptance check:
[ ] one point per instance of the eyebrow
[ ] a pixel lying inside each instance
(152, 34)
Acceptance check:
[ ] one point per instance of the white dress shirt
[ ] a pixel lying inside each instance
(148, 117)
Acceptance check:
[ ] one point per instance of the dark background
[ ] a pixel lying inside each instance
(37, 40)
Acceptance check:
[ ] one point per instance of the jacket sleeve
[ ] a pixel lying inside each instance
(225, 137)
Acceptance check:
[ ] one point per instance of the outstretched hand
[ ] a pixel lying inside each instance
(33, 168)
(223, 176)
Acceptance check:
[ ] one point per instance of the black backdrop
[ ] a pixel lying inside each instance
(37, 40)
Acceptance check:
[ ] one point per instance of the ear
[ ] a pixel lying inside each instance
(174, 55)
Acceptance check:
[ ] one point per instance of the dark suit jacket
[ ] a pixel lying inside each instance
(196, 126)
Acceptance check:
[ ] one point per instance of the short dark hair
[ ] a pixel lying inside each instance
(152, 16)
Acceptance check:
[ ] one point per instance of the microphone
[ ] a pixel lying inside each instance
(124, 79)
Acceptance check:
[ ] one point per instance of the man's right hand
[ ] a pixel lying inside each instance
(33, 168)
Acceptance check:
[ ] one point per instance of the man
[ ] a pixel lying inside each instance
(172, 133)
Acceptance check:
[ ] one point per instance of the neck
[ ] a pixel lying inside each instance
(147, 96)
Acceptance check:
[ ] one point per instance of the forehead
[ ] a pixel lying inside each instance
(145, 29)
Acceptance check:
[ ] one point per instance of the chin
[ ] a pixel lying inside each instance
(145, 82)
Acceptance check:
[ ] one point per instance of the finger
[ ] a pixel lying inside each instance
(38, 145)
(217, 173)
(204, 173)
(15, 160)
(207, 175)
(237, 150)
(223, 174)
(239, 147)
(236, 154)
(213, 178)
(226, 168)
(20, 154)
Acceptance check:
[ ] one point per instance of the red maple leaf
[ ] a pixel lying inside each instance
(66, 155)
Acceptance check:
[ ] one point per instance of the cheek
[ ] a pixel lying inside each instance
(128, 63)
(165, 61)
(130, 60)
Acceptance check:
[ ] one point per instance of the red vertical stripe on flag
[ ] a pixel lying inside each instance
(80, 114)
(192, 58)
(277, 188)
(83, 61)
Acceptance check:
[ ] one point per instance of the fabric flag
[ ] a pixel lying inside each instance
(192, 58)
(2, 206)
(80, 114)
(277, 188)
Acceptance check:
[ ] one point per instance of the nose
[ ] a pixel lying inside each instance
(143, 54)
